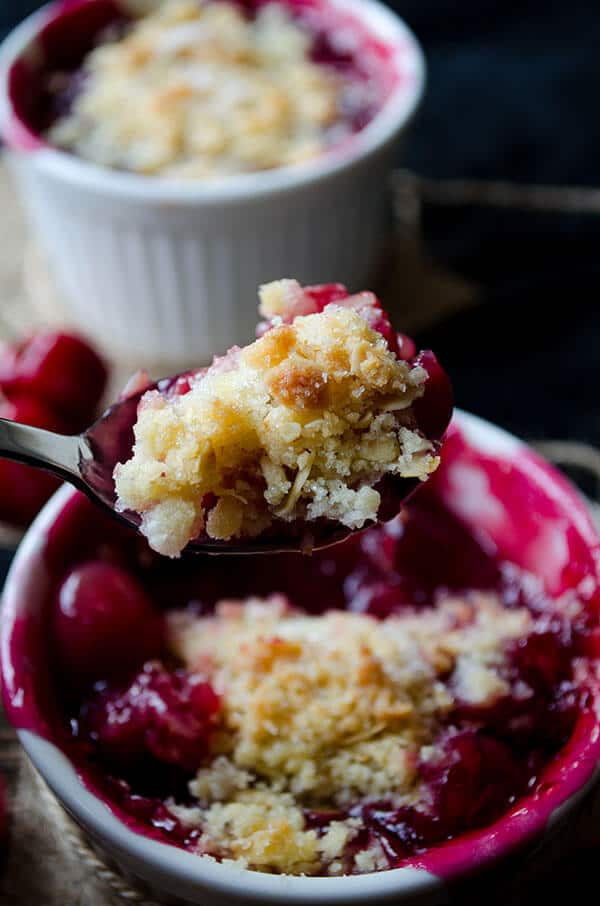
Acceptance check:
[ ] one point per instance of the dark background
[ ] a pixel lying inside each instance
(512, 94)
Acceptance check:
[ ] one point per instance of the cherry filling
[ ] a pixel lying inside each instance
(140, 726)
(476, 778)
(166, 714)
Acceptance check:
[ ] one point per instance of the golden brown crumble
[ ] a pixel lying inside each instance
(301, 424)
(197, 90)
(324, 711)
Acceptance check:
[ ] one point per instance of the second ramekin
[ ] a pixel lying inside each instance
(167, 271)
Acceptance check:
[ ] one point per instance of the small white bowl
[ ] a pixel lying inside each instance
(167, 270)
(539, 522)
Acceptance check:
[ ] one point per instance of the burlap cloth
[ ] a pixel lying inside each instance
(47, 862)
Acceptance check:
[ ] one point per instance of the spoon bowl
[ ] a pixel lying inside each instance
(88, 460)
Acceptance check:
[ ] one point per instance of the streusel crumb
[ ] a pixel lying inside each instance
(300, 425)
(199, 90)
(323, 712)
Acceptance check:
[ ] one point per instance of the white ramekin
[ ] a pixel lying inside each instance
(558, 519)
(168, 271)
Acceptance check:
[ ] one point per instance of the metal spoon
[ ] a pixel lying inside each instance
(88, 460)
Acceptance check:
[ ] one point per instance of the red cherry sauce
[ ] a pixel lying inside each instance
(71, 28)
(499, 520)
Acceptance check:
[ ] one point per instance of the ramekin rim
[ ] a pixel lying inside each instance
(388, 122)
(498, 840)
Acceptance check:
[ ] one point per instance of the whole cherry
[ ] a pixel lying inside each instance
(23, 490)
(104, 624)
(59, 368)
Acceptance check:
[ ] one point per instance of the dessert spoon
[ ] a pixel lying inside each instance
(87, 461)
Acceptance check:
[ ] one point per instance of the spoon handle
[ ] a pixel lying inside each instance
(56, 453)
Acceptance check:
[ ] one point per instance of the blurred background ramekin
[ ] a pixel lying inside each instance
(166, 271)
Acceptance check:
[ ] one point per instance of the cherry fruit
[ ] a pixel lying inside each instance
(104, 623)
(167, 714)
(59, 368)
(23, 490)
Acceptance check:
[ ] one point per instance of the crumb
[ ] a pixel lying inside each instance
(299, 426)
(327, 711)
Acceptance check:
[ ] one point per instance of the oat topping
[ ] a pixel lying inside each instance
(325, 711)
(197, 89)
(301, 424)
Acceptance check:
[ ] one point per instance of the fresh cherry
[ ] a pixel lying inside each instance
(104, 623)
(59, 368)
(23, 490)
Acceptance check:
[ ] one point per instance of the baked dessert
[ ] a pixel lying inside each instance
(311, 429)
(203, 89)
(345, 713)
(327, 712)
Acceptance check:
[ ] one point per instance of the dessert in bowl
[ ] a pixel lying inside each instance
(376, 720)
(188, 142)
(201, 89)
(219, 88)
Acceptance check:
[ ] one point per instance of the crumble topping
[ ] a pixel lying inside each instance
(323, 712)
(268, 828)
(299, 425)
(198, 90)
